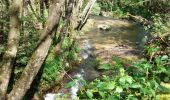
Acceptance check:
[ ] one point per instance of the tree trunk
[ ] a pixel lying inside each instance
(85, 14)
(12, 45)
(65, 29)
(76, 12)
(38, 57)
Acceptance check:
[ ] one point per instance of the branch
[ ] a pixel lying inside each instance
(85, 14)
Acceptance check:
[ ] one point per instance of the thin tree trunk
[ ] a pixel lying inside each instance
(12, 45)
(38, 57)
(85, 14)
(76, 13)
(65, 29)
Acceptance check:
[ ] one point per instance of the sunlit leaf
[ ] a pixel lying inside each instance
(70, 84)
(129, 79)
(110, 85)
(164, 57)
(119, 89)
(102, 94)
(135, 85)
(89, 94)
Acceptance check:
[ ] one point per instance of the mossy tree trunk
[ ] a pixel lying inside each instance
(38, 57)
(12, 45)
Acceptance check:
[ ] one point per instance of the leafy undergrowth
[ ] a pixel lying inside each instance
(140, 81)
(56, 65)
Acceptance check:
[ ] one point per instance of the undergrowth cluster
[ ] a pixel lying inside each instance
(56, 65)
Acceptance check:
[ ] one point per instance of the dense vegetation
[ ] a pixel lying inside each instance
(140, 80)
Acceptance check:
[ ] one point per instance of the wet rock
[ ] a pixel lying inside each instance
(105, 14)
(104, 27)
(50, 96)
(90, 75)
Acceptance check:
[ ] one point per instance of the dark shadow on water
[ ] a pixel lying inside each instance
(88, 66)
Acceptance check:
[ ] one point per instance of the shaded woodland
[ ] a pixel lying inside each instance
(40, 44)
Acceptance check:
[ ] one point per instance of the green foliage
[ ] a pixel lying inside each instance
(107, 5)
(52, 68)
(28, 40)
(96, 9)
(139, 81)
(136, 7)
(56, 65)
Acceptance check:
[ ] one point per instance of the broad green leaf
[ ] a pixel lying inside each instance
(100, 85)
(89, 94)
(70, 84)
(129, 79)
(102, 94)
(119, 89)
(164, 57)
(122, 80)
(135, 85)
(106, 85)
(110, 85)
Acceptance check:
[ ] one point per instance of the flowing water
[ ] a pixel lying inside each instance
(103, 38)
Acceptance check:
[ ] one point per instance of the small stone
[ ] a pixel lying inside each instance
(104, 27)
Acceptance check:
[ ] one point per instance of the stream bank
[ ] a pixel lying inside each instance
(100, 39)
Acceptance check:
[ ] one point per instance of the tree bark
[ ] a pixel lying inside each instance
(65, 29)
(12, 45)
(76, 12)
(38, 57)
(85, 14)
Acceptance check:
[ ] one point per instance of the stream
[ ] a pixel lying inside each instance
(100, 39)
